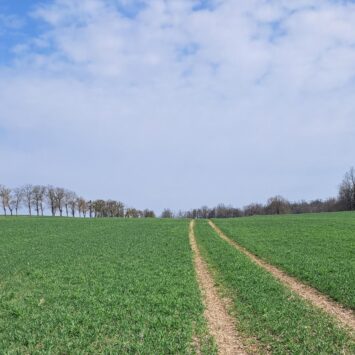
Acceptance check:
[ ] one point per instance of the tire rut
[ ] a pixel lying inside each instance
(344, 316)
(220, 324)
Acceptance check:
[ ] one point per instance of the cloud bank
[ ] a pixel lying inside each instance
(181, 103)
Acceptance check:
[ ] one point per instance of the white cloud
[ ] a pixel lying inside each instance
(147, 103)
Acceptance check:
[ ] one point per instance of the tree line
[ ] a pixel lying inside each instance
(59, 201)
(345, 201)
(62, 202)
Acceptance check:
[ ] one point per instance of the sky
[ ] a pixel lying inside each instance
(178, 103)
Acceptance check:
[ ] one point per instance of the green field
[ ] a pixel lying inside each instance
(111, 285)
(280, 320)
(319, 249)
(93, 286)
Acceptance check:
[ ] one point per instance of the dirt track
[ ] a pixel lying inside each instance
(345, 316)
(220, 324)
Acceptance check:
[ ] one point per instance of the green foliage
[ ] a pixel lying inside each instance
(265, 309)
(98, 286)
(316, 248)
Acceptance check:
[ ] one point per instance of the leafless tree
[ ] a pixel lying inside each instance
(347, 190)
(203, 212)
(79, 204)
(5, 197)
(65, 201)
(277, 205)
(82, 206)
(39, 193)
(90, 207)
(121, 209)
(111, 208)
(42, 199)
(12, 203)
(52, 200)
(133, 213)
(17, 197)
(28, 197)
(148, 213)
(167, 213)
(223, 211)
(59, 193)
(253, 209)
(99, 208)
(72, 202)
(69, 202)
(331, 205)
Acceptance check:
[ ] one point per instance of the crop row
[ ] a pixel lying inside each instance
(94, 286)
(269, 315)
(316, 248)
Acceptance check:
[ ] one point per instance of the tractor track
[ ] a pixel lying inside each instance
(220, 324)
(344, 316)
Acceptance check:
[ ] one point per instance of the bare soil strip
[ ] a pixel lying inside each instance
(220, 324)
(345, 316)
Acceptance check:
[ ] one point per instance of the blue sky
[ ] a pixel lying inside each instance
(179, 103)
(16, 26)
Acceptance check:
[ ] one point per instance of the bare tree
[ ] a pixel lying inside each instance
(121, 209)
(42, 198)
(17, 197)
(39, 193)
(72, 203)
(65, 201)
(99, 208)
(5, 197)
(204, 212)
(59, 193)
(347, 190)
(133, 213)
(181, 214)
(277, 205)
(148, 213)
(90, 207)
(28, 197)
(111, 208)
(51, 199)
(12, 203)
(253, 209)
(82, 206)
(69, 198)
(167, 213)
(79, 205)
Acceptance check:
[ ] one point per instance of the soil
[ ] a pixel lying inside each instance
(220, 324)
